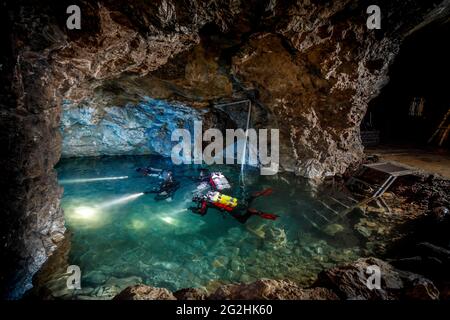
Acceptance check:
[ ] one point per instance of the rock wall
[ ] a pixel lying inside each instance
(133, 129)
(45, 64)
(314, 63)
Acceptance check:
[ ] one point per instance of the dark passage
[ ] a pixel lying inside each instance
(414, 102)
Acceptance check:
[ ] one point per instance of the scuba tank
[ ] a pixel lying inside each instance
(219, 182)
(222, 201)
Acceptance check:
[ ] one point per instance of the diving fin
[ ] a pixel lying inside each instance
(265, 192)
(268, 216)
(264, 215)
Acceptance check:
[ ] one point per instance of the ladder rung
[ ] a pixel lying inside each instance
(363, 182)
(328, 207)
(351, 199)
(325, 218)
(311, 222)
(337, 201)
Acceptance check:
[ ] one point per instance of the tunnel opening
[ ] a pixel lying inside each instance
(412, 106)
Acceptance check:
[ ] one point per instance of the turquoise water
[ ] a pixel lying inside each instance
(121, 237)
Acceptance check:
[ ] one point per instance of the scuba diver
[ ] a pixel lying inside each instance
(216, 180)
(210, 181)
(240, 211)
(154, 172)
(167, 188)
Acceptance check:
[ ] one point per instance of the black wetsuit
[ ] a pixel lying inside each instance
(166, 189)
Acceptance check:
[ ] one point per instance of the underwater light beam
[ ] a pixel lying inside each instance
(85, 212)
(119, 200)
(93, 213)
(168, 220)
(71, 181)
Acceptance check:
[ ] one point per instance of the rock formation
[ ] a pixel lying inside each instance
(314, 65)
(347, 282)
(142, 129)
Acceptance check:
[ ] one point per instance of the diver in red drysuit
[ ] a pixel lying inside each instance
(242, 212)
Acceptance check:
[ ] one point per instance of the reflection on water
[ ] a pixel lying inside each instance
(123, 237)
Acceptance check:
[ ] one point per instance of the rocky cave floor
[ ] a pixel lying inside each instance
(409, 244)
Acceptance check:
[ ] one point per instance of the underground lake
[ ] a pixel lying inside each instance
(339, 111)
(121, 237)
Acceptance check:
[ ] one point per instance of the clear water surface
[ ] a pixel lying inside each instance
(121, 237)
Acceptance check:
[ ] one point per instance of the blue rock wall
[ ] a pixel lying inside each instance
(145, 128)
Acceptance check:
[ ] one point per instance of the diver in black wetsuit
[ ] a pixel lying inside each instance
(204, 175)
(241, 212)
(167, 188)
(153, 172)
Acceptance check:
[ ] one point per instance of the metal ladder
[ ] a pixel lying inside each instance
(329, 209)
(334, 207)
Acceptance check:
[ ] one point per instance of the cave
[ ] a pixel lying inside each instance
(92, 187)
(415, 95)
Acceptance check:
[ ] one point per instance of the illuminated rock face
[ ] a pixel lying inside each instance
(132, 129)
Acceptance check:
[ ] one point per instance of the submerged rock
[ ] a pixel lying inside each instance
(95, 277)
(334, 228)
(274, 237)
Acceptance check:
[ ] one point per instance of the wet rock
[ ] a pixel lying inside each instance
(367, 228)
(122, 283)
(445, 291)
(235, 265)
(271, 289)
(220, 262)
(143, 292)
(274, 237)
(106, 292)
(441, 213)
(429, 249)
(333, 229)
(235, 232)
(363, 231)
(130, 129)
(191, 294)
(95, 277)
(350, 282)
(421, 289)
(199, 245)
(244, 278)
